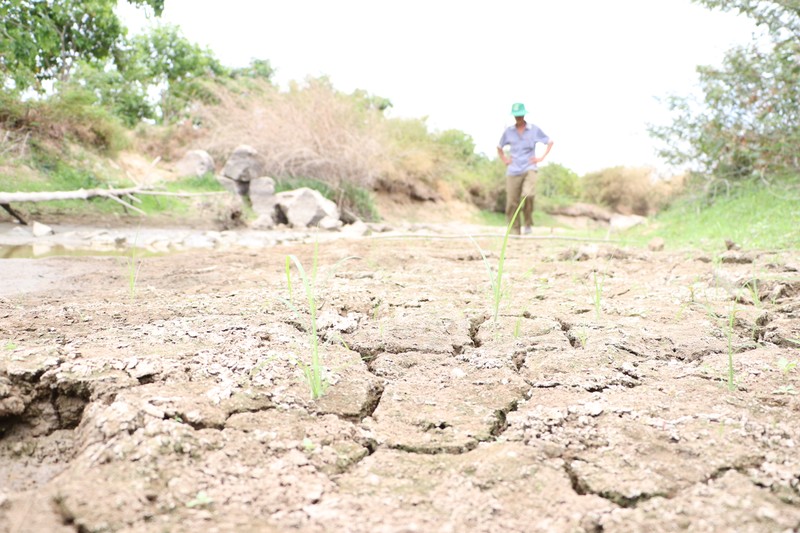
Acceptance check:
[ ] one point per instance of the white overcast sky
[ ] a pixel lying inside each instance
(589, 71)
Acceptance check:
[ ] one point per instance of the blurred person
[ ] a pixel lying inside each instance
(521, 163)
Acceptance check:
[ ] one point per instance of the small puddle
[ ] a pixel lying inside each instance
(40, 251)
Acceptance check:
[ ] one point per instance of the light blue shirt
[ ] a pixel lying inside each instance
(523, 147)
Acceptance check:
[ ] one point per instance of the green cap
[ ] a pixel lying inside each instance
(518, 110)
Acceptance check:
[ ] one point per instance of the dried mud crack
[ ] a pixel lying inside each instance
(578, 409)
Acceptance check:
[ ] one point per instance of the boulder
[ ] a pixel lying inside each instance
(238, 188)
(262, 196)
(244, 165)
(263, 222)
(623, 222)
(195, 163)
(304, 207)
(41, 230)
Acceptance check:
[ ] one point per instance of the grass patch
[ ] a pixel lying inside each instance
(496, 279)
(314, 373)
(205, 183)
(752, 215)
(312, 370)
(153, 204)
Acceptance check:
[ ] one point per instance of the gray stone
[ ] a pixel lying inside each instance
(195, 163)
(263, 222)
(262, 196)
(239, 188)
(623, 222)
(330, 223)
(305, 207)
(357, 229)
(244, 164)
(42, 230)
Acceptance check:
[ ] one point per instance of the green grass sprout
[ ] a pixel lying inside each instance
(496, 279)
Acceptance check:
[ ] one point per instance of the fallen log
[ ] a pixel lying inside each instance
(85, 194)
(80, 194)
(14, 214)
(6, 198)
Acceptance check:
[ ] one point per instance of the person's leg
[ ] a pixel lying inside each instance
(529, 192)
(513, 195)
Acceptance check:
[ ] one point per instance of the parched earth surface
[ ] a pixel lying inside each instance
(599, 399)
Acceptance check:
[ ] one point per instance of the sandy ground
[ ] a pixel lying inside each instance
(597, 400)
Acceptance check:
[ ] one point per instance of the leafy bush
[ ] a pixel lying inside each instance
(70, 115)
(746, 122)
(558, 182)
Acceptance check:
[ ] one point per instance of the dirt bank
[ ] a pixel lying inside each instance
(597, 401)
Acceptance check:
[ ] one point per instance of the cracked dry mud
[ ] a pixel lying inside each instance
(597, 401)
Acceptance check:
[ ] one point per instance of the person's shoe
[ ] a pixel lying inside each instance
(527, 230)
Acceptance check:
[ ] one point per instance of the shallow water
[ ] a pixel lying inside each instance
(40, 251)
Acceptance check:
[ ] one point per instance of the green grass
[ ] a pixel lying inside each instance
(312, 370)
(729, 334)
(153, 204)
(752, 216)
(496, 279)
(132, 264)
(597, 297)
(204, 183)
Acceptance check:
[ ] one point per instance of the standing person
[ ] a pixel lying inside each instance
(521, 172)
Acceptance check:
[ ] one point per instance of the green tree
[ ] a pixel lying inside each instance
(118, 91)
(458, 144)
(257, 69)
(164, 58)
(43, 40)
(747, 121)
(557, 181)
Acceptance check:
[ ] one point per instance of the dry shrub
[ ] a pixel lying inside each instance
(166, 142)
(67, 116)
(665, 190)
(311, 131)
(625, 190)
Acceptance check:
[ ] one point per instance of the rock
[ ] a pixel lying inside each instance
(623, 222)
(584, 253)
(357, 229)
(262, 196)
(330, 223)
(195, 163)
(305, 207)
(239, 188)
(244, 165)
(263, 222)
(735, 257)
(199, 241)
(42, 230)
(656, 244)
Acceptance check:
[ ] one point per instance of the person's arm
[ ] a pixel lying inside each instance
(502, 155)
(535, 159)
